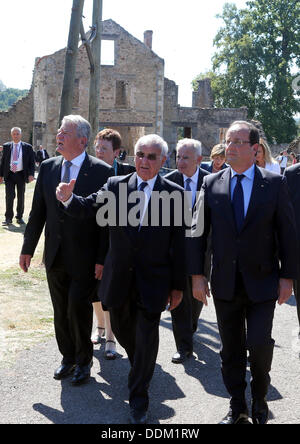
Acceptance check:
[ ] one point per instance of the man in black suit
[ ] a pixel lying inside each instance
(17, 169)
(41, 155)
(254, 250)
(292, 175)
(107, 147)
(185, 316)
(145, 263)
(71, 246)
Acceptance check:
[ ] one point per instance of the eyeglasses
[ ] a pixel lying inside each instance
(236, 142)
(99, 149)
(150, 156)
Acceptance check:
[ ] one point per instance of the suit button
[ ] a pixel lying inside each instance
(234, 261)
(130, 269)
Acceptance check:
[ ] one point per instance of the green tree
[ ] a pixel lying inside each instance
(257, 51)
(9, 96)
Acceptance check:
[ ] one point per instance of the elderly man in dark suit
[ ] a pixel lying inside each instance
(145, 263)
(185, 316)
(17, 169)
(254, 250)
(107, 148)
(292, 175)
(71, 246)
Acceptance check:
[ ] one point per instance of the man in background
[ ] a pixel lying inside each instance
(16, 169)
(41, 155)
(185, 317)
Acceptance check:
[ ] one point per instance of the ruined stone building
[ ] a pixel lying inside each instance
(135, 97)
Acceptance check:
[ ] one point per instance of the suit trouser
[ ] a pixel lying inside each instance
(73, 313)
(297, 296)
(11, 182)
(185, 319)
(137, 330)
(245, 325)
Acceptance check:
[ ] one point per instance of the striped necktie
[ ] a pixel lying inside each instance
(15, 158)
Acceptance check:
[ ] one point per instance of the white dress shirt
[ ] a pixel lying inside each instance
(193, 184)
(75, 168)
(148, 191)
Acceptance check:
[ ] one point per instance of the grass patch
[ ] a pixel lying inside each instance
(26, 315)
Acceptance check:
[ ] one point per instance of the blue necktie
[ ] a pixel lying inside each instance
(142, 186)
(238, 202)
(66, 176)
(188, 188)
(187, 184)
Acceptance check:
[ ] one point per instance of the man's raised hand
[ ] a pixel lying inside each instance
(65, 190)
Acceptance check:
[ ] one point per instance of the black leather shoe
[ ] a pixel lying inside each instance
(7, 222)
(260, 411)
(20, 221)
(235, 418)
(181, 356)
(82, 374)
(137, 417)
(63, 371)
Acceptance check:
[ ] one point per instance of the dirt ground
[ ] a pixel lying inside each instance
(25, 307)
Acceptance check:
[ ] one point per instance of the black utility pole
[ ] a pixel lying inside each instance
(94, 97)
(70, 61)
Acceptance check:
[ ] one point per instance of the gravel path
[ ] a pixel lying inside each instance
(192, 393)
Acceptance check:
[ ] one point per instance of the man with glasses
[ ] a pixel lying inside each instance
(145, 264)
(254, 250)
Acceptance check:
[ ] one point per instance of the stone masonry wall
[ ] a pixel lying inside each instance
(20, 114)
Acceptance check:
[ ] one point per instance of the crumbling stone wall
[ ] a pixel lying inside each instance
(131, 90)
(19, 114)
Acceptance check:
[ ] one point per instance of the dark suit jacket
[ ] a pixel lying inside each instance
(78, 239)
(124, 168)
(254, 251)
(292, 175)
(28, 160)
(155, 253)
(39, 156)
(177, 177)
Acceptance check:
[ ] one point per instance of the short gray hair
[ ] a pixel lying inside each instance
(83, 128)
(16, 128)
(153, 140)
(192, 143)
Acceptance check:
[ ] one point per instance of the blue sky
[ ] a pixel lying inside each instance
(183, 33)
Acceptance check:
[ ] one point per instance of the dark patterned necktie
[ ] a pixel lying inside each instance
(141, 187)
(238, 202)
(66, 176)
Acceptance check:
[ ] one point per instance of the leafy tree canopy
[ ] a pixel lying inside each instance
(256, 60)
(9, 96)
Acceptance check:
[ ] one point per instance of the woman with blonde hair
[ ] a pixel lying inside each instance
(264, 158)
(217, 157)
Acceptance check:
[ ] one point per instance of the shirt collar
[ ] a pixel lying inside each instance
(249, 173)
(150, 182)
(194, 177)
(78, 161)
